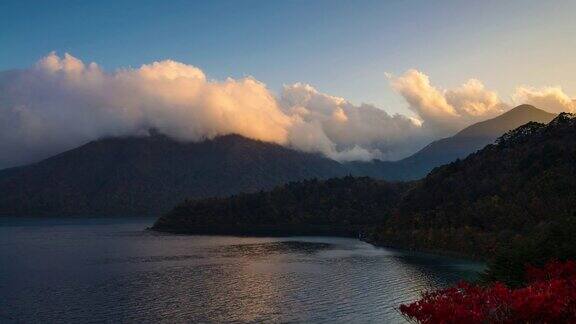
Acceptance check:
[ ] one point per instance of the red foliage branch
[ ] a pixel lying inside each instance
(549, 297)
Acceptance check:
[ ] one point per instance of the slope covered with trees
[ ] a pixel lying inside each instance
(502, 194)
(343, 206)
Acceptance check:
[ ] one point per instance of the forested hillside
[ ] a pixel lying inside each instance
(148, 175)
(344, 206)
(524, 183)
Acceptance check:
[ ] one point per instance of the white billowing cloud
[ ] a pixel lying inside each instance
(62, 102)
(444, 111)
(552, 99)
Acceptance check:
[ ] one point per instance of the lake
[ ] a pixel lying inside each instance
(103, 270)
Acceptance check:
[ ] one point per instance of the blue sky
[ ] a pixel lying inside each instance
(343, 48)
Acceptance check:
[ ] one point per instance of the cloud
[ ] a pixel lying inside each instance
(61, 103)
(445, 111)
(552, 99)
(344, 131)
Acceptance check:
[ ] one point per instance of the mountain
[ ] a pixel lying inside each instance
(446, 150)
(148, 175)
(339, 206)
(503, 193)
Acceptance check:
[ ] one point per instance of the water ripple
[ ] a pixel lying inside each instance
(107, 273)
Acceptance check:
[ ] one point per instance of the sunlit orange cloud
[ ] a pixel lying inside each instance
(552, 99)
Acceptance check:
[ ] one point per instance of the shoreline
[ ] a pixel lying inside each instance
(266, 230)
(319, 230)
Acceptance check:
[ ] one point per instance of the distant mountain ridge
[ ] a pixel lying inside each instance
(446, 150)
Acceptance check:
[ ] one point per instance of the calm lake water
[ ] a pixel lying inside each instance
(111, 270)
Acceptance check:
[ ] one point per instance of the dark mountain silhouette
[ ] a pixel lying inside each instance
(148, 175)
(446, 150)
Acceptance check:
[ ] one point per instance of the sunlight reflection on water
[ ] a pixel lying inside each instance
(111, 270)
